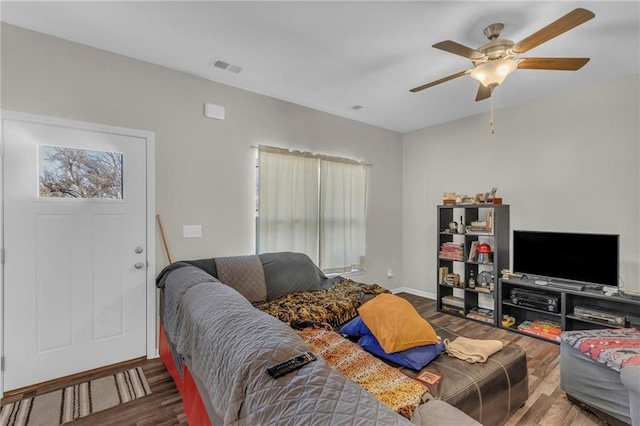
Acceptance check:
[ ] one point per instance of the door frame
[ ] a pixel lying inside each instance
(149, 137)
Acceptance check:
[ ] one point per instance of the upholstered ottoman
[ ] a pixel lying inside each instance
(489, 392)
(600, 371)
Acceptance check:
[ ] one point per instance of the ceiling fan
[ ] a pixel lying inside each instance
(495, 60)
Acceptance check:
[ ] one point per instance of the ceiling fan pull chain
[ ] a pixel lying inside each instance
(493, 130)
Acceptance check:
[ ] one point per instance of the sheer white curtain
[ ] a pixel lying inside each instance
(288, 213)
(343, 190)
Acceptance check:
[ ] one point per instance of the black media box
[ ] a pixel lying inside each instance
(535, 299)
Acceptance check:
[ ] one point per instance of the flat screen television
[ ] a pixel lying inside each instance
(585, 258)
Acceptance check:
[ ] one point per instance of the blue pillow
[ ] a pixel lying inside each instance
(356, 328)
(414, 358)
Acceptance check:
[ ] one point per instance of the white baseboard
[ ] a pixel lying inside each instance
(414, 292)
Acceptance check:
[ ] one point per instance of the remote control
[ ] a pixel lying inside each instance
(291, 364)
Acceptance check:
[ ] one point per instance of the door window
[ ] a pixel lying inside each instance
(79, 173)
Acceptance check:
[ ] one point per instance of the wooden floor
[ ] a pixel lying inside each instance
(547, 405)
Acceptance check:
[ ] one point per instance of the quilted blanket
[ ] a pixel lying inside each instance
(615, 348)
(386, 383)
(231, 344)
(334, 306)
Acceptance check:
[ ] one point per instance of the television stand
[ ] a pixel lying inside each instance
(609, 311)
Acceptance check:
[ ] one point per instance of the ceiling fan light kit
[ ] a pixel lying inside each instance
(493, 73)
(495, 60)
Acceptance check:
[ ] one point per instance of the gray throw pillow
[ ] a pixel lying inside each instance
(288, 272)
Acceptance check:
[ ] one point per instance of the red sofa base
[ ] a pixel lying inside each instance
(194, 408)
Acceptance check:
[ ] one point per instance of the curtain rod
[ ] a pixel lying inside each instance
(286, 151)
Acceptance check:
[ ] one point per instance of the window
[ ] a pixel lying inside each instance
(312, 204)
(79, 173)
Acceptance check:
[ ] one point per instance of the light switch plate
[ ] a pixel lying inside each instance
(191, 231)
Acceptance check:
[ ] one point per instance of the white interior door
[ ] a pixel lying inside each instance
(75, 232)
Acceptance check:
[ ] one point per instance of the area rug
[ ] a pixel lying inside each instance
(64, 405)
(386, 383)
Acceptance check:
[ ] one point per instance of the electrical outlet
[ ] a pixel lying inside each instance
(191, 231)
(389, 273)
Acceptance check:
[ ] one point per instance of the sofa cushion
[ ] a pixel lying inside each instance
(414, 358)
(396, 323)
(288, 272)
(244, 274)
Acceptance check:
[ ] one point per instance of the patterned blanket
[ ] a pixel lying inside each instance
(386, 383)
(615, 348)
(334, 306)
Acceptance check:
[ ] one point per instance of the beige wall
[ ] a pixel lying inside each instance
(568, 163)
(204, 167)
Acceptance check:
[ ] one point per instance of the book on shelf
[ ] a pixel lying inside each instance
(442, 272)
(455, 259)
(473, 254)
(525, 327)
(490, 222)
(451, 251)
(547, 327)
(453, 301)
(452, 309)
(481, 314)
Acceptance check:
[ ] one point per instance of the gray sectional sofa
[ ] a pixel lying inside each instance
(217, 336)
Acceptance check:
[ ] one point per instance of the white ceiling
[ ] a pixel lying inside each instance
(333, 55)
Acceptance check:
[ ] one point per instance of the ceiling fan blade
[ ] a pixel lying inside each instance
(458, 49)
(570, 20)
(442, 80)
(560, 64)
(483, 93)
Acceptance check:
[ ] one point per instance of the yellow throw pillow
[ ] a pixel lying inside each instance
(396, 324)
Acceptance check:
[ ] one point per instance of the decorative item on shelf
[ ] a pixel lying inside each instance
(452, 279)
(449, 198)
(489, 196)
(453, 226)
(472, 281)
(464, 199)
(508, 321)
(485, 255)
(461, 226)
(485, 280)
(508, 274)
(442, 272)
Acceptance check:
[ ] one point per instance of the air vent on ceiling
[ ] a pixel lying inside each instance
(356, 107)
(226, 66)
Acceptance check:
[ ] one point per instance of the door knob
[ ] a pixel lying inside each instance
(139, 250)
(139, 265)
